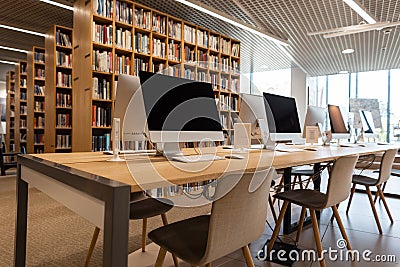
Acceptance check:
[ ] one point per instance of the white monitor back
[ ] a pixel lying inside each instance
(367, 124)
(315, 116)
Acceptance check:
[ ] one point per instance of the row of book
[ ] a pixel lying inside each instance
(224, 83)
(63, 100)
(102, 61)
(134, 145)
(38, 90)
(159, 48)
(159, 24)
(189, 54)
(140, 64)
(143, 19)
(174, 51)
(142, 43)
(102, 34)
(202, 38)
(228, 103)
(224, 64)
(202, 58)
(22, 68)
(38, 138)
(203, 76)
(235, 66)
(189, 74)
(22, 123)
(123, 39)
(101, 89)
(22, 137)
(225, 46)
(23, 96)
(63, 59)
(174, 71)
(38, 122)
(189, 34)
(40, 73)
(214, 42)
(63, 141)
(174, 29)
(103, 8)
(123, 12)
(235, 50)
(223, 118)
(22, 82)
(101, 142)
(63, 39)
(64, 79)
(101, 116)
(235, 85)
(38, 57)
(23, 110)
(122, 64)
(213, 62)
(64, 120)
(214, 80)
(38, 106)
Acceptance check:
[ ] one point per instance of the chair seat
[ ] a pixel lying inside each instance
(149, 207)
(308, 198)
(364, 180)
(186, 239)
(303, 172)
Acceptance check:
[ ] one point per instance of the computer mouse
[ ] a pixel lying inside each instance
(234, 156)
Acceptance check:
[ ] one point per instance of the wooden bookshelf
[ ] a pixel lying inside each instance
(59, 87)
(21, 108)
(161, 44)
(36, 96)
(10, 112)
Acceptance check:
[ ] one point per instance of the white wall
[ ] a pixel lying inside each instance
(3, 92)
(299, 92)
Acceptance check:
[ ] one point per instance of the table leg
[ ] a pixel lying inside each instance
(21, 221)
(317, 184)
(287, 219)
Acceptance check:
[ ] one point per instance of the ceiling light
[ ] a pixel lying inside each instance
(343, 72)
(360, 11)
(13, 49)
(21, 30)
(348, 51)
(219, 15)
(8, 62)
(58, 4)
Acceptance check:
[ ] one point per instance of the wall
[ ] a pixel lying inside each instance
(299, 92)
(3, 92)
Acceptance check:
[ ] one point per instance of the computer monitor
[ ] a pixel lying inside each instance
(129, 108)
(315, 116)
(179, 110)
(338, 126)
(367, 124)
(283, 119)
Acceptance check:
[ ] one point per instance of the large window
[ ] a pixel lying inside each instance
(274, 82)
(394, 131)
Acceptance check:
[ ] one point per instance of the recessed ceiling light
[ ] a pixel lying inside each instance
(343, 72)
(22, 30)
(58, 4)
(8, 62)
(13, 49)
(348, 51)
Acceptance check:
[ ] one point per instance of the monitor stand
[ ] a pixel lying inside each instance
(168, 149)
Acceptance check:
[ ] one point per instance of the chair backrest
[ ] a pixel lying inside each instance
(386, 165)
(238, 217)
(339, 183)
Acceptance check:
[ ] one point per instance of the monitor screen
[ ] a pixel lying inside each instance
(179, 105)
(336, 119)
(284, 112)
(367, 122)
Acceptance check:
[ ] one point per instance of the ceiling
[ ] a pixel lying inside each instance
(374, 50)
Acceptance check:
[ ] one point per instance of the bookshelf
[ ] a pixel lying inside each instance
(21, 107)
(10, 111)
(125, 37)
(36, 98)
(59, 87)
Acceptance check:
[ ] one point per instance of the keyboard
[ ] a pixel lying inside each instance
(196, 158)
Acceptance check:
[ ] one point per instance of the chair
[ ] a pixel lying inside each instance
(7, 160)
(236, 219)
(140, 208)
(384, 174)
(339, 185)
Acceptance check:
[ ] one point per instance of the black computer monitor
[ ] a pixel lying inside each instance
(179, 110)
(367, 124)
(338, 126)
(284, 113)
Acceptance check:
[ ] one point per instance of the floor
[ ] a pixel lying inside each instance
(359, 224)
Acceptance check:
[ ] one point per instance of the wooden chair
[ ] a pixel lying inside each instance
(339, 185)
(140, 208)
(237, 218)
(8, 160)
(384, 174)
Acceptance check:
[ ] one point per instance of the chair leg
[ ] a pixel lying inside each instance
(247, 256)
(144, 231)
(301, 222)
(277, 226)
(342, 230)
(317, 237)
(165, 222)
(333, 215)
(371, 201)
(92, 244)
(160, 258)
(384, 202)
(294, 181)
(353, 189)
(280, 183)
(377, 193)
(308, 182)
(271, 206)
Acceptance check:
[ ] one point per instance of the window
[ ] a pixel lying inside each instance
(274, 82)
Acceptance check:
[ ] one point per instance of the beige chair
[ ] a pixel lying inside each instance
(384, 174)
(236, 219)
(140, 208)
(339, 185)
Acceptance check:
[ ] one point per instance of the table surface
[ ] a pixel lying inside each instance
(147, 172)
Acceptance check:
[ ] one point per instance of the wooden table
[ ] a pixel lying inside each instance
(99, 190)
